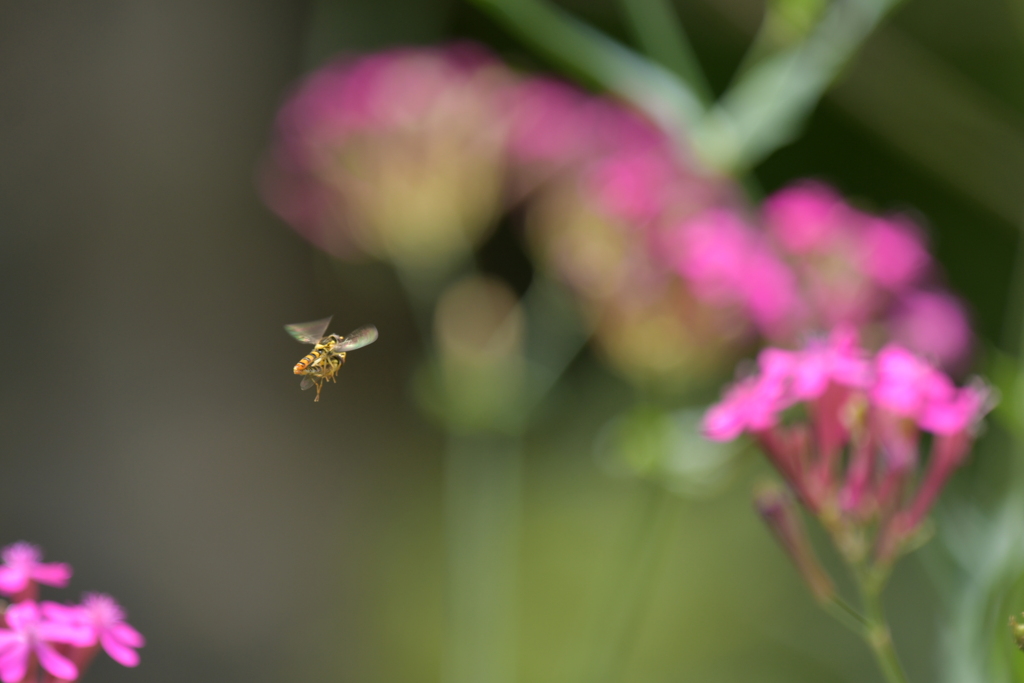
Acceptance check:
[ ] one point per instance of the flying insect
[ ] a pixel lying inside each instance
(328, 355)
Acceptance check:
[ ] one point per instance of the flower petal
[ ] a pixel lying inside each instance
(22, 615)
(58, 612)
(126, 634)
(8, 640)
(52, 574)
(56, 663)
(120, 653)
(12, 580)
(81, 635)
(14, 663)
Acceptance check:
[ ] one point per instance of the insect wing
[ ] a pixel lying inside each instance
(306, 383)
(311, 332)
(357, 339)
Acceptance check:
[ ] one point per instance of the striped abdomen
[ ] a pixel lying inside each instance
(301, 366)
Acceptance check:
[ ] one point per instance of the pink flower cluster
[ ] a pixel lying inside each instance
(872, 272)
(410, 155)
(810, 262)
(844, 430)
(61, 640)
(396, 155)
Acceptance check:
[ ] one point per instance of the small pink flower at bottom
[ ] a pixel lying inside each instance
(103, 619)
(30, 634)
(22, 566)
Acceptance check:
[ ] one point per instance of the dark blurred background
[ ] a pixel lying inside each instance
(152, 433)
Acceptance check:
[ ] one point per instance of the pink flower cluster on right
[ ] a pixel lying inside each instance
(809, 261)
(872, 272)
(49, 642)
(851, 453)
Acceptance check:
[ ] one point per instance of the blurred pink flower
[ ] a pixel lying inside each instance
(726, 261)
(957, 411)
(751, 405)
(839, 359)
(22, 567)
(549, 121)
(28, 634)
(871, 272)
(906, 384)
(399, 155)
(103, 620)
(893, 252)
(934, 324)
(806, 216)
(634, 184)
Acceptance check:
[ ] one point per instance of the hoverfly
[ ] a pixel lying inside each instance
(328, 355)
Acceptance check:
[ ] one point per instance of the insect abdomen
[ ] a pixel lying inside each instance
(301, 366)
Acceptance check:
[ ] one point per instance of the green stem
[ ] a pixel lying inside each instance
(482, 511)
(878, 635)
(600, 60)
(846, 614)
(661, 36)
(629, 589)
(766, 108)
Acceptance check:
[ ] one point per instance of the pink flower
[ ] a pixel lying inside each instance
(751, 405)
(634, 184)
(549, 122)
(805, 217)
(103, 620)
(959, 411)
(399, 155)
(30, 634)
(839, 359)
(893, 254)
(22, 566)
(726, 262)
(770, 292)
(934, 324)
(906, 384)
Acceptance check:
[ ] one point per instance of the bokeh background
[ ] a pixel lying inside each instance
(152, 433)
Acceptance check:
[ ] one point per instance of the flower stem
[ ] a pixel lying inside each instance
(877, 634)
(846, 614)
(629, 590)
(482, 511)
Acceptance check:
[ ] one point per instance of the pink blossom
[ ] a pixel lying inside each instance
(425, 124)
(805, 217)
(22, 566)
(770, 292)
(549, 122)
(751, 405)
(710, 252)
(103, 619)
(726, 262)
(906, 384)
(959, 411)
(893, 252)
(634, 184)
(29, 634)
(838, 359)
(934, 324)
